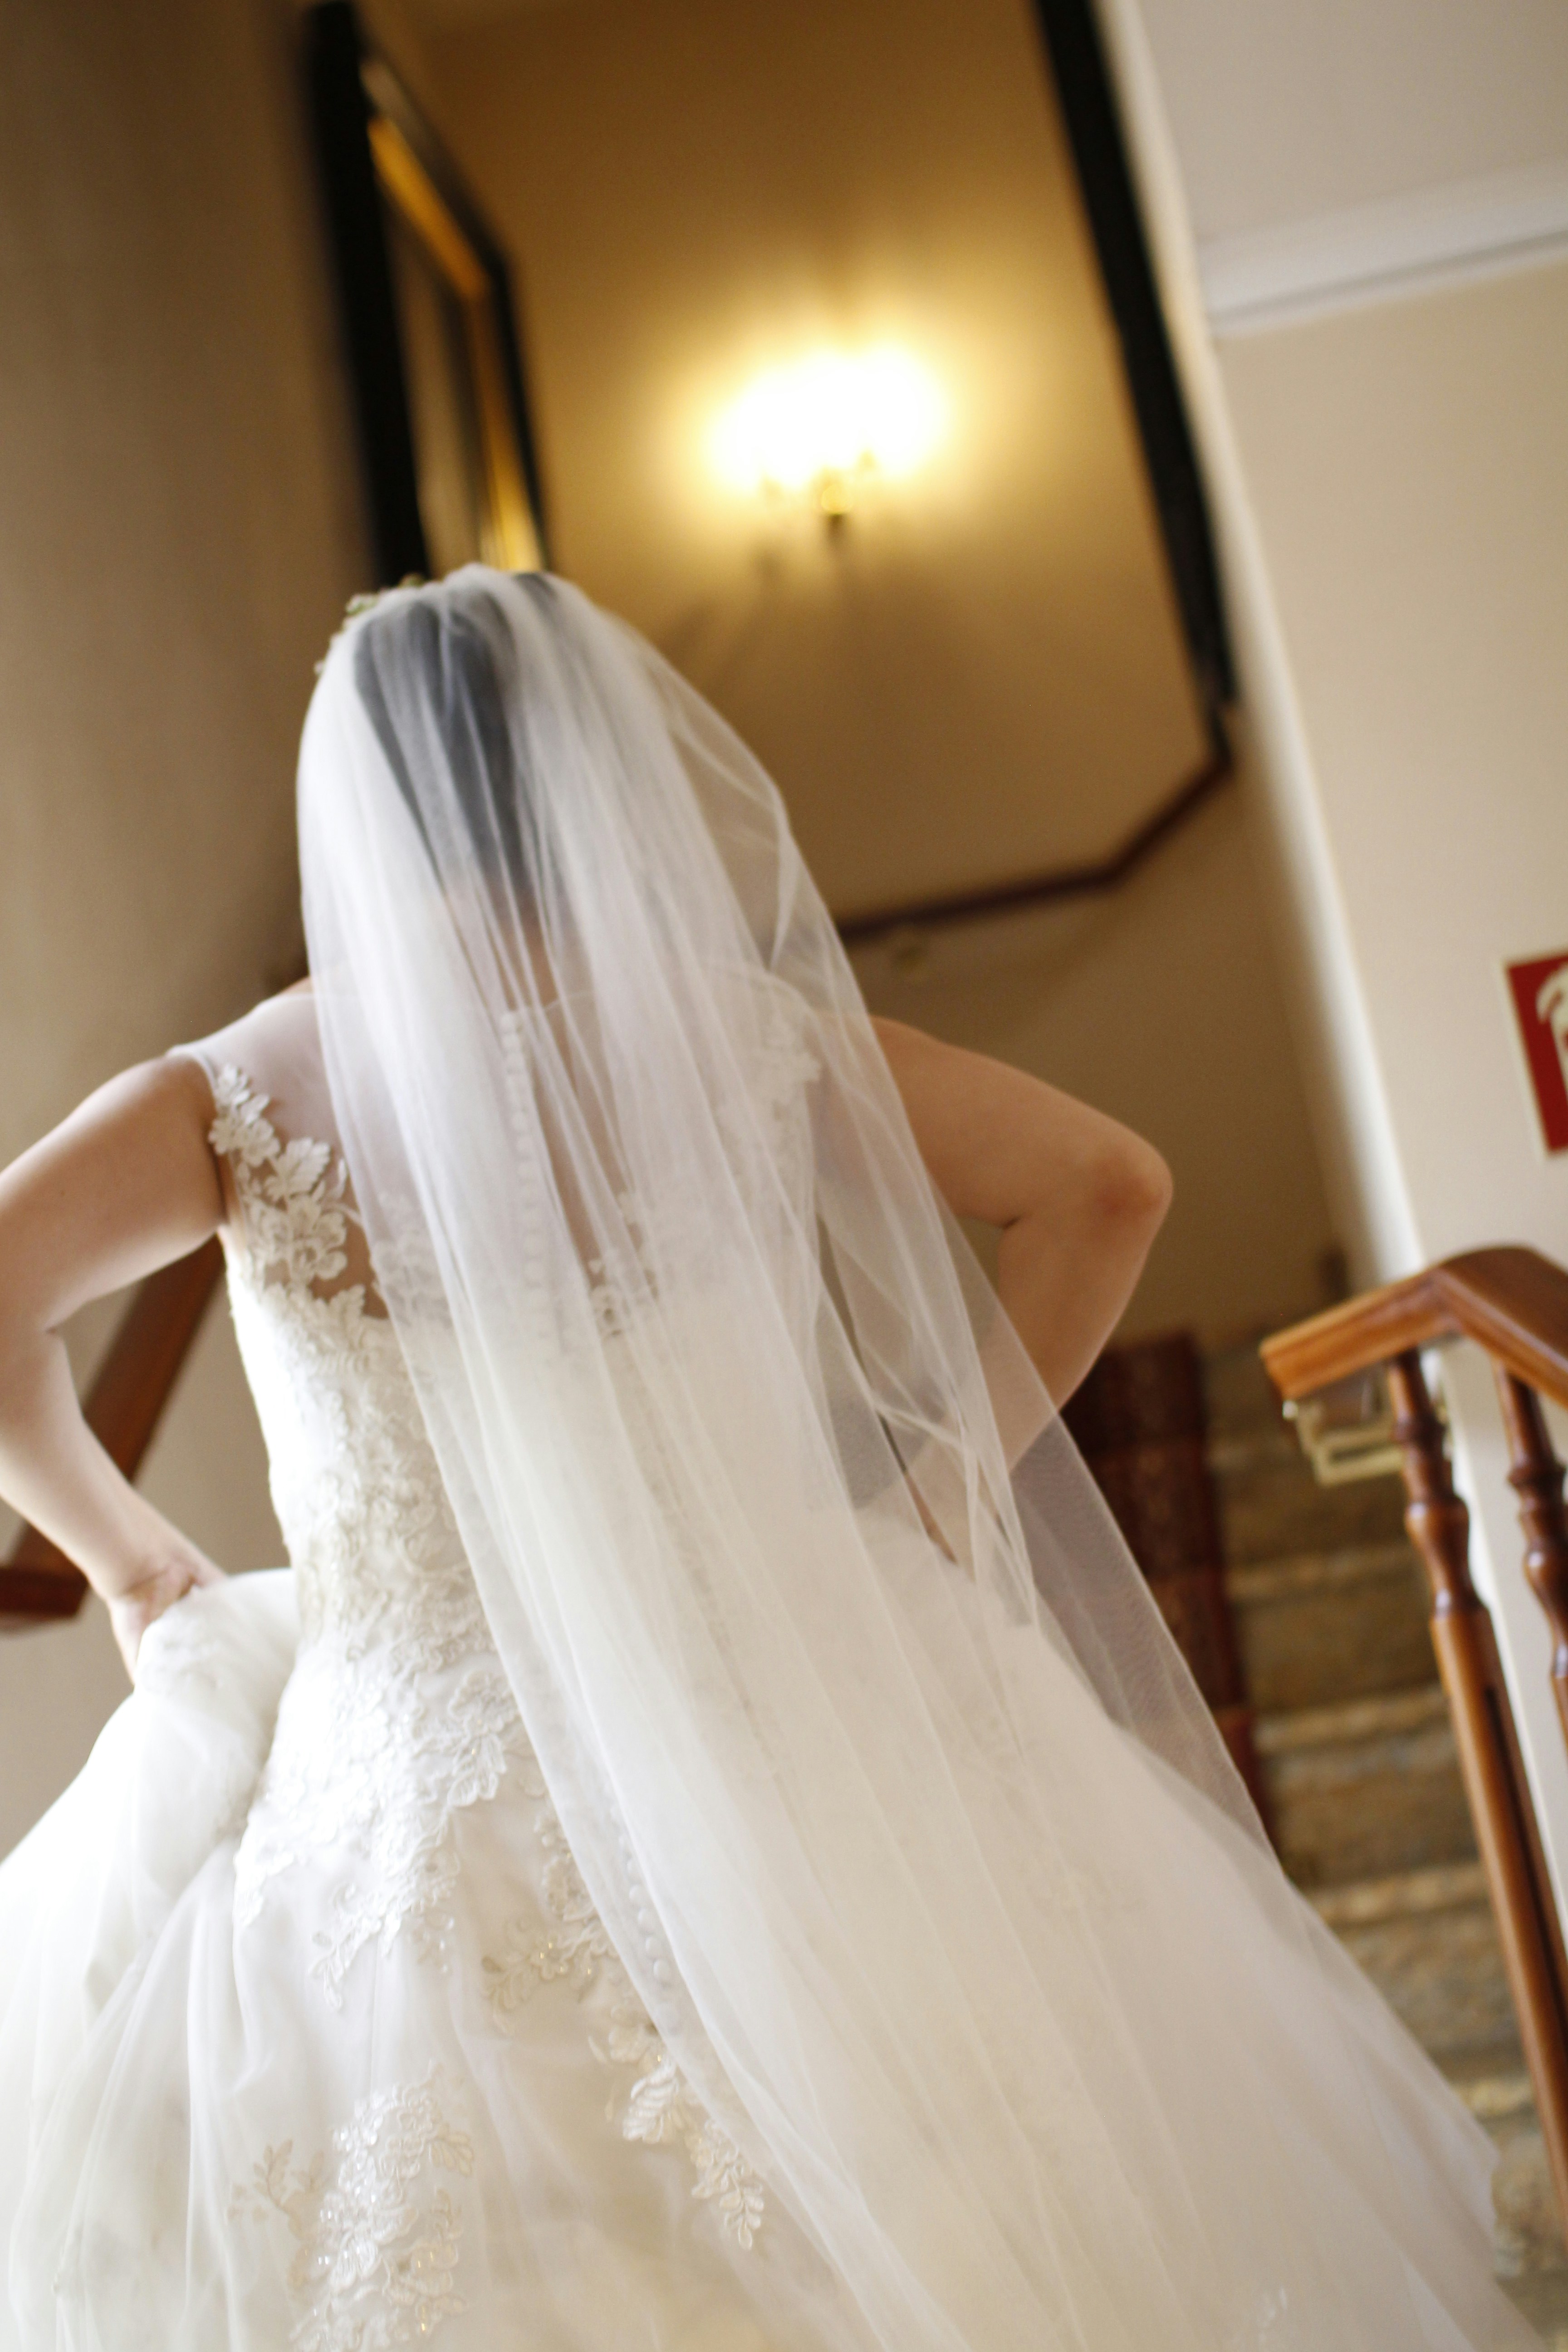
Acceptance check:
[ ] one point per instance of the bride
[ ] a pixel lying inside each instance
(708, 1847)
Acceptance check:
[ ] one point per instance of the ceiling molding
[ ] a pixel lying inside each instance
(1412, 243)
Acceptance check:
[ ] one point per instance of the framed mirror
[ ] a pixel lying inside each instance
(430, 330)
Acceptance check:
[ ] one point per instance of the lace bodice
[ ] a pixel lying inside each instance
(357, 1491)
(355, 1486)
(397, 1715)
(398, 1718)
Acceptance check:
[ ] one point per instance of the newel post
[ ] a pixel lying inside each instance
(1536, 1479)
(1490, 1758)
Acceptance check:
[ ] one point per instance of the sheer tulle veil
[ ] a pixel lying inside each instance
(886, 1780)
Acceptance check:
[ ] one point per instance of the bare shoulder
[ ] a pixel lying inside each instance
(179, 1078)
(168, 1097)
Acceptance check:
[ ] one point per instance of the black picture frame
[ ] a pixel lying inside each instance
(429, 324)
(1075, 52)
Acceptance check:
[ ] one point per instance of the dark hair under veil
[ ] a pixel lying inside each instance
(419, 661)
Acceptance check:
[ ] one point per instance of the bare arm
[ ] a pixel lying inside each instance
(122, 1186)
(1077, 1198)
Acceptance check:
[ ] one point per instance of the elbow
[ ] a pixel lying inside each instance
(1129, 1190)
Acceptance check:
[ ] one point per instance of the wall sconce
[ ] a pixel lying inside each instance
(822, 431)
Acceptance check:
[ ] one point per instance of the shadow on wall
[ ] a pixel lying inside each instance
(1160, 1004)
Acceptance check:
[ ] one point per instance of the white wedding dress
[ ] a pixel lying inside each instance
(311, 2035)
(867, 1947)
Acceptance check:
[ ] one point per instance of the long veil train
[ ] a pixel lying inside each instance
(895, 1799)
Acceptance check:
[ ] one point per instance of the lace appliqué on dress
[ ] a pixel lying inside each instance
(780, 1067)
(377, 2244)
(359, 1497)
(369, 1755)
(373, 1763)
(290, 1196)
(363, 1506)
(378, 1747)
(661, 2107)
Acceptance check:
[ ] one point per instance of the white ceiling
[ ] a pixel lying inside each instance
(1290, 111)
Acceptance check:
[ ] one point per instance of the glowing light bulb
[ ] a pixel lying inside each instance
(829, 421)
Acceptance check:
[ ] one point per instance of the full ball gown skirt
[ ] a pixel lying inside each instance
(310, 2037)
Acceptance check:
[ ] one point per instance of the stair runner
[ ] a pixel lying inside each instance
(1362, 1781)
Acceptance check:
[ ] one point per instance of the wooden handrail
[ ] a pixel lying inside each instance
(1513, 1303)
(124, 1408)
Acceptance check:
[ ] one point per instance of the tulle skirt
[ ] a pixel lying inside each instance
(309, 2037)
(336, 2056)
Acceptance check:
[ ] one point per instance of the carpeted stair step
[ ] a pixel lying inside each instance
(1529, 2253)
(1365, 1790)
(1271, 1507)
(1318, 1627)
(1428, 1940)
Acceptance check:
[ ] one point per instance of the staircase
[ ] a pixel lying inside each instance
(1359, 1767)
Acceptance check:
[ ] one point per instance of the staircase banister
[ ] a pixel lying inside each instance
(1513, 1303)
(1509, 1299)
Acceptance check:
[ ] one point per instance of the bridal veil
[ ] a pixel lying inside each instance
(881, 1770)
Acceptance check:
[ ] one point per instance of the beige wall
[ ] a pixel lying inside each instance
(1163, 1004)
(1391, 474)
(182, 531)
(1408, 468)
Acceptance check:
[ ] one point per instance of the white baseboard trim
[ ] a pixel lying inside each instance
(1374, 253)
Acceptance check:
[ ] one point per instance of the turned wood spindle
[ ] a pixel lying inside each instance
(1513, 1304)
(1536, 1479)
(1437, 1521)
(1490, 1758)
